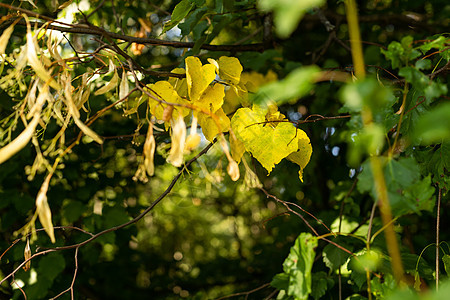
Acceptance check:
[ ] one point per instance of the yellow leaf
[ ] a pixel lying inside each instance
(267, 143)
(179, 84)
(192, 142)
(209, 126)
(230, 69)
(234, 97)
(109, 86)
(254, 80)
(164, 91)
(303, 155)
(212, 99)
(237, 148)
(198, 77)
(251, 180)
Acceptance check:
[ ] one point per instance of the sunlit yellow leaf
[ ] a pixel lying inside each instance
(303, 155)
(164, 91)
(237, 148)
(192, 142)
(179, 84)
(254, 80)
(109, 86)
(210, 128)
(230, 69)
(251, 180)
(198, 77)
(234, 97)
(268, 144)
(212, 99)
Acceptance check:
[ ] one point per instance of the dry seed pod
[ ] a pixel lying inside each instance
(27, 255)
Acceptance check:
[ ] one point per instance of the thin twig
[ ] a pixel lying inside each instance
(286, 204)
(245, 293)
(73, 280)
(438, 219)
(95, 30)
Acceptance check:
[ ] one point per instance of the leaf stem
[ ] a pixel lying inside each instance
(375, 163)
(437, 237)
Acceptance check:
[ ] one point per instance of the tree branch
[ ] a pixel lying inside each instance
(95, 30)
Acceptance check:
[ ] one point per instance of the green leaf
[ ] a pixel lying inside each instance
(440, 44)
(407, 192)
(334, 257)
(446, 261)
(383, 287)
(192, 20)
(436, 160)
(72, 210)
(287, 13)
(280, 281)
(420, 81)
(401, 53)
(296, 84)
(320, 284)
(434, 126)
(180, 11)
(50, 266)
(298, 265)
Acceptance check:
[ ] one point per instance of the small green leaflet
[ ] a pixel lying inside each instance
(180, 11)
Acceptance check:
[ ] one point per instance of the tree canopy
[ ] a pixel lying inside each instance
(210, 149)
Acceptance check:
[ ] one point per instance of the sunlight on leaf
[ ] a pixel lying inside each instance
(164, 91)
(296, 279)
(267, 143)
(210, 128)
(198, 77)
(230, 69)
(212, 98)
